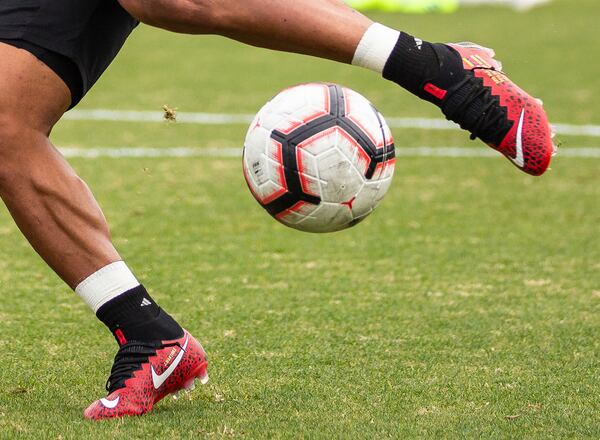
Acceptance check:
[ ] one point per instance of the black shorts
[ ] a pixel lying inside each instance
(77, 39)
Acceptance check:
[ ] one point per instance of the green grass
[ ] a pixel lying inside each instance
(467, 306)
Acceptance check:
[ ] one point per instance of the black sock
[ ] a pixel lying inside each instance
(435, 73)
(134, 316)
(414, 63)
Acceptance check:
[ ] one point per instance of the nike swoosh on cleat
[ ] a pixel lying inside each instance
(520, 159)
(110, 404)
(158, 380)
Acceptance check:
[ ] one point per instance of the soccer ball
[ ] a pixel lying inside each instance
(319, 157)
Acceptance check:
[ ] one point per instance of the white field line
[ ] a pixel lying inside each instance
(230, 119)
(225, 152)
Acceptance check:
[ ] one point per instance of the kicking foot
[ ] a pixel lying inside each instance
(144, 373)
(467, 83)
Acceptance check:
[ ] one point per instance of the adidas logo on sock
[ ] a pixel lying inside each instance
(145, 303)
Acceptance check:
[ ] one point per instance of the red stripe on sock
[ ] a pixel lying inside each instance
(435, 91)
(120, 337)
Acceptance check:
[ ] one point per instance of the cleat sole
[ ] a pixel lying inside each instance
(190, 386)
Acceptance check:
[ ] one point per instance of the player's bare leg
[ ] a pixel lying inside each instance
(323, 28)
(58, 214)
(464, 81)
(52, 206)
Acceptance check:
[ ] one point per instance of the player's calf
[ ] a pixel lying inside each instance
(330, 29)
(10, 130)
(183, 16)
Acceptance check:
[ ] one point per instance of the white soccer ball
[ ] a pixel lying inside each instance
(319, 157)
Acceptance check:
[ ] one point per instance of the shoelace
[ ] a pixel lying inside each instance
(491, 123)
(128, 360)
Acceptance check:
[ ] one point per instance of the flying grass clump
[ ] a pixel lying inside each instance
(170, 114)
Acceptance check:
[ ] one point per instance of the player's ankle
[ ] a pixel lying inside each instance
(399, 57)
(125, 306)
(412, 63)
(135, 316)
(375, 47)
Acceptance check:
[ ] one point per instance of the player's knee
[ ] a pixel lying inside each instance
(185, 16)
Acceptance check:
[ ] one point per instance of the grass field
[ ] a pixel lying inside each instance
(467, 306)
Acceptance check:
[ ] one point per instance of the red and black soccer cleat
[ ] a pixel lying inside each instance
(526, 139)
(144, 373)
(468, 85)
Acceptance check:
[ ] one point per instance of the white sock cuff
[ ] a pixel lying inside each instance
(375, 47)
(108, 283)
